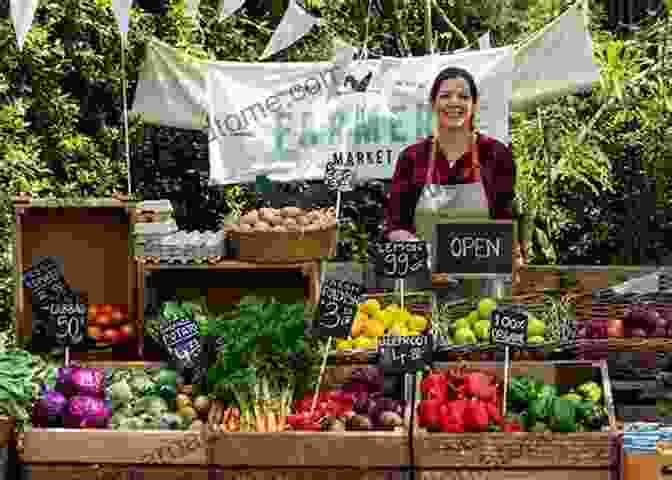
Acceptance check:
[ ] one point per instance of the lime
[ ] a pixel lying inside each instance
(535, 328)
(474, 317)
(486, 307)
(464, 336)
(344, 344)
(482, 330)
(462, 323)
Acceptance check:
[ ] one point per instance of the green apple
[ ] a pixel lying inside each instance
(485, 307)
(473, 318)
(462, 323)
(535, 340)
(482, 330)
(465, 336)
(535, 328)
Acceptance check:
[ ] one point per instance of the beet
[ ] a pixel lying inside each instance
(659, 332)
(64, 383)
(638, 332)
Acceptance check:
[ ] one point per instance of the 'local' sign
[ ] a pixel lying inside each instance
(509, 327)
(473, 248)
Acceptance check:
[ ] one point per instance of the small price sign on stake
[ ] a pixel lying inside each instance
(508, 327)
(400, 259)
(568, 328)
(338, 178)
(67, 321)
(336, 310)
(397, 354)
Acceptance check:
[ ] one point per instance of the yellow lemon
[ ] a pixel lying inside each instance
(418, 322)
(344, 344)
(405, 332)
(359, 325)
(372, 307)
(406, 317)
(413, 333)
(361, 342)
(395, 331)
(375, 329)
(372, 342)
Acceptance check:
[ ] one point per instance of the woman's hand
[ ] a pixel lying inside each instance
(401, 236)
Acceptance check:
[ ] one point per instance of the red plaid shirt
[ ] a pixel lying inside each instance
(497, 173)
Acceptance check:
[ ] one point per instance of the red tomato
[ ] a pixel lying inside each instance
(127, 331)
(95, 332)
(103, 320)
(117, 316)
(92, 312)
(112, 335)
(615, 328)
(105, 308)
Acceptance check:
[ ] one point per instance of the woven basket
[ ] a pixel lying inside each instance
(362, 356)
(450, 313)
(283, 247)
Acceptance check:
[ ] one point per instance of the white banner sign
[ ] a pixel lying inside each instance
(22, 12)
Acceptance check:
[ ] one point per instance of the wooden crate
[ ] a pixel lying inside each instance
(584, 456)
(6, 431)
(93, 239)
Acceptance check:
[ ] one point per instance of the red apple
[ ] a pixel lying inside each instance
(103, 320)
(615, 328)
(105, 308)
(127, 331)
(117, 316)
(112, 335)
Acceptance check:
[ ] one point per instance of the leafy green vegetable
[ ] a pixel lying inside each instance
(584, 409)
(522, 390)
(540, 408)
(563, 418)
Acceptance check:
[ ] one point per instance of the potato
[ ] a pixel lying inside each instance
(266, 214)
(331, 223)
(303, 221)
(290, 221)
(251, 218)
(280, 228)
(261, 226)
(314, 215)
(291, 212)
(234, 227)
(313, 227)
(245, 227)
(277, 220)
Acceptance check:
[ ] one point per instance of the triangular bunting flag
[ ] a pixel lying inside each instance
(229, 7)
(191, 7)
(484, 41)
(23, 12)
(122, 12)
(294, 25)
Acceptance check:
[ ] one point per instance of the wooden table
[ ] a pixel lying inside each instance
(641, 467)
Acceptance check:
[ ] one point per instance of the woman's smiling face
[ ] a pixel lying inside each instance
(454, 104)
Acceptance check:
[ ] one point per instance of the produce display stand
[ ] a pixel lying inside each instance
(6, 431)
(520, 456)
(57, 454)
(92, 237)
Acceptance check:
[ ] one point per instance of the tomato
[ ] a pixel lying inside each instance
(117, 316)
(95, 332)
(127, 331)
(106, 308)
(92, 312)
(112, 335)
(615, 328)
(103, 320)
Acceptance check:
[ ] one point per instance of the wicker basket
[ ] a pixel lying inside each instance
(362, 356)
(452, 312)
(283, 247)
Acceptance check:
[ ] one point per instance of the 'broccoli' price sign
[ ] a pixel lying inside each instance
(397, 354)
(336, 310)
(401, 259)
(509, 327)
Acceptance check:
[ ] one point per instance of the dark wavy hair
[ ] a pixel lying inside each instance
(450, 73)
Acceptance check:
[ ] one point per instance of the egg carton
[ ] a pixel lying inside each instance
(186, 247)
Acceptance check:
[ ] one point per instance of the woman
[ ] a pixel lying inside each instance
(479, 167)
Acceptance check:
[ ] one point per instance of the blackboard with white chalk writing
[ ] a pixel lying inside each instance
(401, 259)
(508, 326)
(336, 310)
(473, 248)
(66, 319)
(405, 354)
(45, 279)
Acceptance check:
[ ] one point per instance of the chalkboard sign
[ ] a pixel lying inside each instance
(45, 279)
(67, 321)
(181, 339)
(336, 310)
(400, 259)
(473, 248)
(508, 326)
(568, 328)
(407, 354)
(338, 178)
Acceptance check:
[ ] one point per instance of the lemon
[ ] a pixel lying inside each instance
(413, 333)
(395, 331)
(406, 317)
(361, 342)
(372, 307)
(418, 322)
(344, 344)
(405, 331)
(359, 324)
(372, 342)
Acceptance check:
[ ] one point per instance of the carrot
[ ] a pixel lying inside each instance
(272, 421)
(226, 416)
(259, 419)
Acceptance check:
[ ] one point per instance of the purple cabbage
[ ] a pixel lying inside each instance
(64, 382)
(89, 382)
(87, 412)
(49, 409)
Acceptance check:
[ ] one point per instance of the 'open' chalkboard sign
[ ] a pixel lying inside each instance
(336, 310)
(67, 322)
(508, 326)
(473, 248)
(401, 259)
(407, 354)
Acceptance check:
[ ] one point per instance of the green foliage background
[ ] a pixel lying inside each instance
(94, 165)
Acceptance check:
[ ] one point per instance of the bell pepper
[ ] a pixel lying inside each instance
(572, 396)
(563, 416)
(540, 427)
(494, 413)
(429, 412)
(476, 416)
(435, 386)
(512, 427)
(540, 407)
(522, 390)
(475, 385)
(590, 391)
